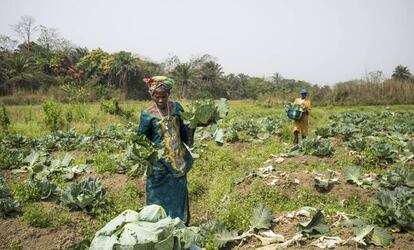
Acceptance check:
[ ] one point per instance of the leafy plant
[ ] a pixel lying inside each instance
(25, 193)
(382, 152)
(218, 233)
(4, 118)
(204, 113)
(261, 217)
(4, 191)
(8, 207)
(148, 229)
(139, 153)
(397, 177)
(314, 146)
(10, 158)
(373, 234)
(87, 195)
(396, 208)
(36, 215)
(358, 144)
(315, 227)
(53, 115)
(33, 190)
(112, 107)
(325, 184)
(347, 132)
(353, 175)
(74, 93)
(325, 132)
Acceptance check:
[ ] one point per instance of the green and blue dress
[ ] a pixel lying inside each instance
(167, 183)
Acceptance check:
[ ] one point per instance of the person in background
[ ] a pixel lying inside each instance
(301, 125)
(166, 183)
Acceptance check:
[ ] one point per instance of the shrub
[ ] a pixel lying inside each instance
(4, 118)
(53, 115)
(36, 215)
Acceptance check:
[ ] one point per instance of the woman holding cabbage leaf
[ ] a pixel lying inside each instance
(161, 123)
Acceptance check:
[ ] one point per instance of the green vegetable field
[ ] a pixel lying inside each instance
(67, 170)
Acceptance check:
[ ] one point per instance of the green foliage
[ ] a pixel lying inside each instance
(347, 131)
(217, 235)
(401, 73)
(397, 177)
(148, 229)
(4, 119)
(353, 175)
(325, 132)
(30, 81)
(10, 158)
(395, 208)
(261, 218)
(75, 93)
(127, 198)
(112, 107)
(203, 113)
(95, 64)
(314, 146)
(358, 144)
(4, 191)
(87, 195)
(104, 163)
(315, 227)
(373, 234)
(53, 115)
(138, 155)
(8, 207)
(24, 192)
(33, 190)
(36, 216)
(381, 153)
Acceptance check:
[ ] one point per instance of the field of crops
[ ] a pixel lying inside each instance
(68, 169)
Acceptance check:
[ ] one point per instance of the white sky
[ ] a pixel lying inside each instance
(320, 41)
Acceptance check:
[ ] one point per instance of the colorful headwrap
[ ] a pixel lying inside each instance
(155, 82)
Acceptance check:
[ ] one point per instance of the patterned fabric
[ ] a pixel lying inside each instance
(301, 125)
(155, 82)
(167, 184)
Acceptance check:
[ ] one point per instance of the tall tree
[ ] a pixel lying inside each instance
(277, 78)
(401, 73)
(50, 39)
(184, 74)
(123, 66)
(25, 28)
(211, 75)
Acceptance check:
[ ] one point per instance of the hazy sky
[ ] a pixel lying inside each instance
(321, 41)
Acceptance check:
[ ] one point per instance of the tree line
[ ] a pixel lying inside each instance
(39, 60)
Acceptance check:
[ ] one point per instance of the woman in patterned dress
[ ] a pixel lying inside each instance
(167, 181)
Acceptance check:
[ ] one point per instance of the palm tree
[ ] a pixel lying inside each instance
(401, 73)
(19, 65)
(211, 74)
(123, 66)
(184, 73)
